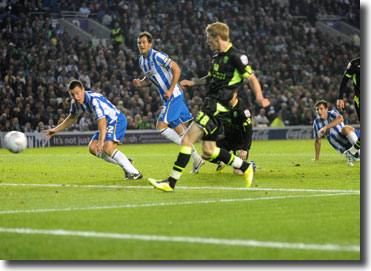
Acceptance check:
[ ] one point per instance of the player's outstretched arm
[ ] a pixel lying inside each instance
(337, 121)
(340, 105)
(255, 85)
(141, 82)
(65, 124)
(317, 148)
(198, 82)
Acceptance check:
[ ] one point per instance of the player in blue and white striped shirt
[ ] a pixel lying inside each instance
(111, 126)
(164, 73)
(331, 125)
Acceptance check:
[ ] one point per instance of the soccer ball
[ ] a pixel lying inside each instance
(15, 141)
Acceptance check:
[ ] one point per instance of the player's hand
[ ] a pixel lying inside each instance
(186, 83)
(243, 155)
(340, 105)
(168, 94)
(264, 102)
(136, 82)
(49, 133)
(100, 147)
(322, 131)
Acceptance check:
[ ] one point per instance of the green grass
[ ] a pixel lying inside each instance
(287, 204)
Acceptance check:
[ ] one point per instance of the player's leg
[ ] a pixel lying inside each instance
(192, 134)
(356, 147)
(110, 148)
(167, 132)
(114, 136)
(174, 113)
(211, 151)
(93, 149)
(186, 117)
(353, 137)
(169, 113)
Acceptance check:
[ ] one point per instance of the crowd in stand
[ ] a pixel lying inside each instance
(295, 64)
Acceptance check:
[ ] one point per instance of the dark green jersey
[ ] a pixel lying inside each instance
(353, 72)
(228, 69)
(237, 127)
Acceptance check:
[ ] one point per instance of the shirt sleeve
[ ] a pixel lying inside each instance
(334, 114)
(163, 60)
(242, 65)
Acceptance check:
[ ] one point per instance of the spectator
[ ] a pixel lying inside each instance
(117, 37)
(297, 59)
(15, 125)
(28, 128)
(278, 122)
(261, 120)
(84, 9)
(143, 124)
(40, 127)
(85, 122)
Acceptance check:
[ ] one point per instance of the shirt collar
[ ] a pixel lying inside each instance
(150, 53)
(87, 98)
(229, 47)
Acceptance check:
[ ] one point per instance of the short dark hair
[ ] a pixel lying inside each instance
(321, 102)
(74, 83)
(146, 34)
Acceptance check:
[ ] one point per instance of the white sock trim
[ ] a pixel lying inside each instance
(237, 162)
(175, 174)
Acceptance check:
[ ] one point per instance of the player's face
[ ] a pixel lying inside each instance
(144, 46)
(78, 94)
(322, 111)
(213, 42)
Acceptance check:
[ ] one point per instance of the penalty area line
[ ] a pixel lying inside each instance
(183, 187)
(185, 239)
(4, 212)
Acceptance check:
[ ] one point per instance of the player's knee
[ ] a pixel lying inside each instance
(92, 148)
(109, 148)
(160, 125)
(186, 141)
(346, 130)
(207, 153)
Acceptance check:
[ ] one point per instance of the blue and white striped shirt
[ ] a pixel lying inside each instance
(95, 103)
(157, 68)
(334, 135)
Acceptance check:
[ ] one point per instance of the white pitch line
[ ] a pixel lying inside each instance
(184, 187)
(157, 154)
(185, 239)
(164, 204)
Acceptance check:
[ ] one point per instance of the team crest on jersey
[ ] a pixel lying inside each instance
(247, 113)
(216, 67)
(225, 60)
(244, 59)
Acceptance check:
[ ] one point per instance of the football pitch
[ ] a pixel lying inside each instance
(62, 203)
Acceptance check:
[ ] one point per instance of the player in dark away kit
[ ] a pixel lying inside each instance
(237, 134)
(353, 72)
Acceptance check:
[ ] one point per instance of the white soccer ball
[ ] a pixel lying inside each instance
(15, 141)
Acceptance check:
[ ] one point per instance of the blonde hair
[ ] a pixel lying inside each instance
(218, 28)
